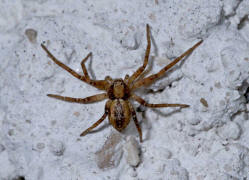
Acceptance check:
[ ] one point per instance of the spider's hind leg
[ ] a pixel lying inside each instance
(134, 117)
(144, 103)
(107, 107)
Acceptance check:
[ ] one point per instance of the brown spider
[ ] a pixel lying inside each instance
(119, 91)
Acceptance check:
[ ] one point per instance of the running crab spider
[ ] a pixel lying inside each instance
(119, 92)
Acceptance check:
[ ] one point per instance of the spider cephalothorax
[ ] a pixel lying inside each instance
(119, 91)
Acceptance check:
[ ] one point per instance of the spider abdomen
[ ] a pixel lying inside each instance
(119, 115)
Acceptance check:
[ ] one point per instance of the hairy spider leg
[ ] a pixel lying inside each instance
(134, 117)
(153, 77)
(126, 78)
(140, 70)
(90, 99)
(107, 107)
(99, 84)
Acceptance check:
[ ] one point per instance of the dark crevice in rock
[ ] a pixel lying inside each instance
(19, 178)
(242, 22)
(247, 95)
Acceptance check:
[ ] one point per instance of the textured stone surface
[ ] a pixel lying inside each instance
(132, 152)
(39, 136)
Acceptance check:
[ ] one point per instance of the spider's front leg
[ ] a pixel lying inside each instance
(107, 109)
(100, 84)
(153, 77)
(126, 78)
(140, 70)
(84, 67)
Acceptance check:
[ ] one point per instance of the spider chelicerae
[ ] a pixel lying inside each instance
(119, 92)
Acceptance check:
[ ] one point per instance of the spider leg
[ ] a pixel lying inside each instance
(153, 77)
(108, 78)
(90, 99)
(100, 84)
(107, 106)
(94, 125)
(146, 58)
(134, 117)
(84, 67)
(126, 78)
(144, 103)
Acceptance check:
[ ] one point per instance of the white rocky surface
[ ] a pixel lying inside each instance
(39, 136)
(132, 152)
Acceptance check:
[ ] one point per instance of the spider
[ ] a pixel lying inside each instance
(119, 92)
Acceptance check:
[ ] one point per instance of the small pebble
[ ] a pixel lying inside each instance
(132, 172)
(161, 152)
(194, 121)
(204, 102)
(110, 154)
(31, 34)
(40, 146)
(11, 132)
(231, 130)
(132, 152)
(57, 148)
